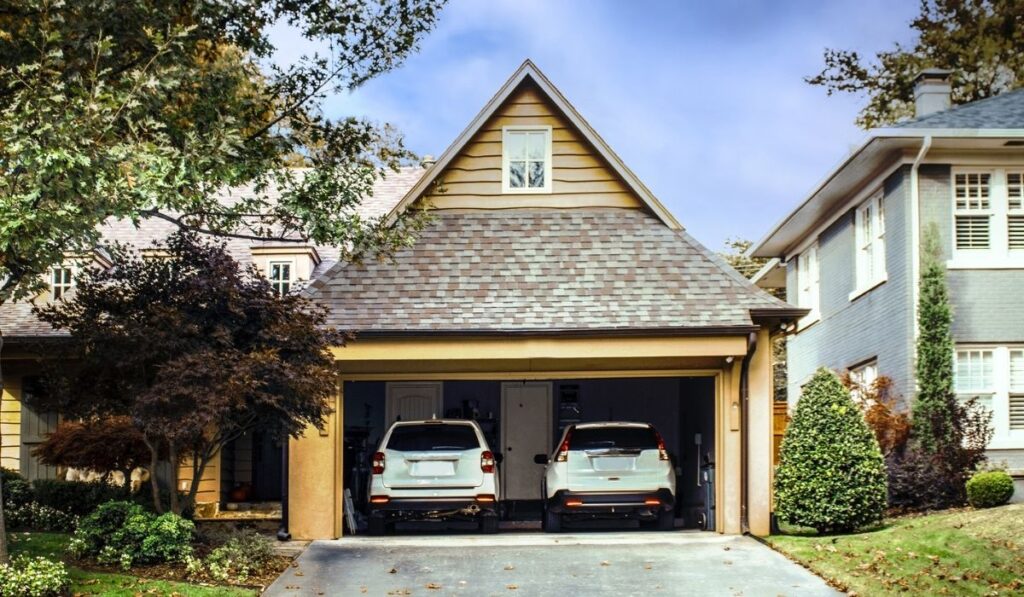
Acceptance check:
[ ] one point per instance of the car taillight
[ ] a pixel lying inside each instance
(662, 453)
(378, 463)
(487, 461)
(563, 450)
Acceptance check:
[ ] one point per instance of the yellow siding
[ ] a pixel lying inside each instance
(209, 485)
(580, 178)
(10, 424)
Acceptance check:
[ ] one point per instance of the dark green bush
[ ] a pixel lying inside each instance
(124, 533)
(988, 489)
(831, 476)
(17, 490)
(75, 497)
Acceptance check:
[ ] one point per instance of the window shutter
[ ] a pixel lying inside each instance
(1016, 231)
(972, 232)
(1017, 412)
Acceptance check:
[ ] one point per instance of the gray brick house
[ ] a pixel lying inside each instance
(850, 253)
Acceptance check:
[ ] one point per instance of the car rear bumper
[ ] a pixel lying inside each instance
(411, 505)
(574, 502)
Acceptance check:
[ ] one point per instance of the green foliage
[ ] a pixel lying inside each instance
(934, 409)
(75, 497)
(987, 489)
(981, 41)
(237, 558)
(17, 490)
(34, 577)
(39, 517)
(124, 534)
(831, 476)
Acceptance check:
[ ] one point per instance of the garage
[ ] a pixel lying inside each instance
(522, 418)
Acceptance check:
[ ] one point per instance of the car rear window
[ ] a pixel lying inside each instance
(601, 438)
(434, 437)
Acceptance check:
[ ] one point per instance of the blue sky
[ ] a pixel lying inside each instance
(705, 101)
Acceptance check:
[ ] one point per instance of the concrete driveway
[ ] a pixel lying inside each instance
(518, 564)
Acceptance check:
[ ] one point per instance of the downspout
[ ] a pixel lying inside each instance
(915, 233)
(745, 430)
(282, 533)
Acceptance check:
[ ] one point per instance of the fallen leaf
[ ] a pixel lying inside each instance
(606, 563)
(433, 586)
(299, 573)
(509, 567)
(647, 566)
(393, 571)
(511, 587)
(726, 548)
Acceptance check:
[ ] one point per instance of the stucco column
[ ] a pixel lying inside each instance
(728, 456)
(759, 439)
(314, 487)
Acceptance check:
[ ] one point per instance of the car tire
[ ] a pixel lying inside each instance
(377, 526)
(666, 520)
(552, 522)
(489, 524)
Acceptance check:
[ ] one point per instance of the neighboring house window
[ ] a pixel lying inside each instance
(995, 375)
(1015, 210)
(62, 280)
(862, 377)
(1016, 410)
(281, 276)
(870, 225)
(807, 283)
(526, 159)
(975, 374)
(972, 210)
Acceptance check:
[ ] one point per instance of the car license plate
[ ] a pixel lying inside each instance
(613, 463)
(432, 468)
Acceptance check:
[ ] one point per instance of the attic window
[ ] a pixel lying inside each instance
(280, 277)
(526, 159)
(62, 280)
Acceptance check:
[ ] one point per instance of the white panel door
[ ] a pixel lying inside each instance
(525, 431)
(414, 401)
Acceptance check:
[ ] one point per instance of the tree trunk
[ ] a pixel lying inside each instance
(154, 485)
(4, 557)
(172, 455)
(199, 465)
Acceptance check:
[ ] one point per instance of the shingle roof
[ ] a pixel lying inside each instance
(1003, 111)
(521, 270)
(17, 320)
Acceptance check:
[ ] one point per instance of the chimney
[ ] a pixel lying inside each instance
(932, 89)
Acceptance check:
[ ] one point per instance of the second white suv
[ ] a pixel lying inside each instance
(609, 470)
(435, 469)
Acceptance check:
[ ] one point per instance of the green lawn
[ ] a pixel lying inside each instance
(964, 552)
(104, 583)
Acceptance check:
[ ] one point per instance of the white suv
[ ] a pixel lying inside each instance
(432, 470)
(609, 470)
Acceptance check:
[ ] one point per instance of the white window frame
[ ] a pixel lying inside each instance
(506, 131)
(64, 288)
(276, 284)
(869, 238)
(808, 283)
(863, 375)
(998, 255)
(1014, 212)
(997, 396)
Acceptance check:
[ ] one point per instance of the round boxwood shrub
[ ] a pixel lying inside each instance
(831, 475)
(988, 489)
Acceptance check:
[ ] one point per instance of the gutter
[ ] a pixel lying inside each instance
(915, 232)
(745, 431)
(733, 330)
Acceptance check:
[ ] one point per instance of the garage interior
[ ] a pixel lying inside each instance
(682, 409)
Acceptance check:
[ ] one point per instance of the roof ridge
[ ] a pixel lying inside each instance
(909, 124)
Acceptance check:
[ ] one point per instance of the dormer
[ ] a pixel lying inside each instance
(59, 280)
(285, 265)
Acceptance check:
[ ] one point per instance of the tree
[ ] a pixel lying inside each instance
(196, 351)
(981, 41)
(98, 445)
(147, 108)
(831, 475)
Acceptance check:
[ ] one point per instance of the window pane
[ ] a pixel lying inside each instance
(275, 271)
(286, 271)
(974, 371)
(536, 175)
(537, 149)
(1017, 370)
(516, 145)
(1015, 190)
(517, 174)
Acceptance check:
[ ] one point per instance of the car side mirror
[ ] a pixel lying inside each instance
(541, 459)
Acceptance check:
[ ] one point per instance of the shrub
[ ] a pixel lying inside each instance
(75, 497)
(17, 490)
(39, 517)
(237, 558)
(831, 475)
(988, 489)
(123, 533)
(33, 577)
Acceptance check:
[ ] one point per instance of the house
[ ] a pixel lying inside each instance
(551, 287)
(850, 254)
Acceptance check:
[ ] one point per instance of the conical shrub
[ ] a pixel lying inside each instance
(831, 475)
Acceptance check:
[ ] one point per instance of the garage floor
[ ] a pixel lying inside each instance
(515, 564)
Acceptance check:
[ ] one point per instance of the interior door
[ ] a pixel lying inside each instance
(414, 401)
(526, 413)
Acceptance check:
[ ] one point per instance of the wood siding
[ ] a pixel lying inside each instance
(580, 177)
(10, 424)
(780, 419)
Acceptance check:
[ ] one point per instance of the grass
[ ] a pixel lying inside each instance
(86, 582)
(960, 552)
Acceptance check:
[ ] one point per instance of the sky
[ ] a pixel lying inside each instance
(704, 101)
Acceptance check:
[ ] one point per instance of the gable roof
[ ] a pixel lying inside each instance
(529, 71)
(1003, 111)
(545, 271)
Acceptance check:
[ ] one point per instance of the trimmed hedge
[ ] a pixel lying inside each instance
(988, 489)
(75, 497)
(831, 475)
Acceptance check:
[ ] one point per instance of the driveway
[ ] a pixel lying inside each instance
(518, 564)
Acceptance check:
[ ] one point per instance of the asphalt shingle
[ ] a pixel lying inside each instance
(1003, 111)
